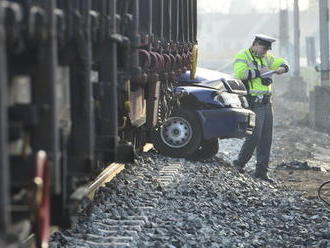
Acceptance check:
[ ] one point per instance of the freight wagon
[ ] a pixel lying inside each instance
(85, 84)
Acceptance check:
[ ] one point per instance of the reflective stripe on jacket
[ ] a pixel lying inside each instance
(245, 68)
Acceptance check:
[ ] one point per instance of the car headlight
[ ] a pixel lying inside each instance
(228, 99)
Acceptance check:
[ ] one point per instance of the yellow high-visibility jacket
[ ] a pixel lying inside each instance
(247, 66)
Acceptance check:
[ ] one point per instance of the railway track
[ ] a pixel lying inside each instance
(105, 176)
(122, 220)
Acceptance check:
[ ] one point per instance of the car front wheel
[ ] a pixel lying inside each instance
(179, 136)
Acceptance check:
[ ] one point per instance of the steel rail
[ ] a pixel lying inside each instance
(105, 176)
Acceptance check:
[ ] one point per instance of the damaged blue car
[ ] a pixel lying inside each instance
(211, 106)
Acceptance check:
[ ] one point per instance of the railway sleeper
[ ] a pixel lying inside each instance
(107, 239)
(87, 243)
(117, 228)
(123, 222)
(105, 232)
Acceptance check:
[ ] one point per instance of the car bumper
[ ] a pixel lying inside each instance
(226, 123)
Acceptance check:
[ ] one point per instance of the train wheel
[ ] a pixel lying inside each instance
(179, 136)
(42, 201)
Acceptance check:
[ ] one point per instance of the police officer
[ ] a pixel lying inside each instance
(249, 65)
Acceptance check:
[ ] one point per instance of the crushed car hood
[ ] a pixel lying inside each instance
(213, 79)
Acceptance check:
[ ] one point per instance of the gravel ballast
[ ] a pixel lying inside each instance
(206, 204)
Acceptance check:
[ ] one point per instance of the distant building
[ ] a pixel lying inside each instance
(221, 35)
(241, 7)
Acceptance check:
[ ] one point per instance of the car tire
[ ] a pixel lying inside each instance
(179, 136)
(208, 149)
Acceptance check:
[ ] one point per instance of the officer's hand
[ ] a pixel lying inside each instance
(280, 70)
(263, 70)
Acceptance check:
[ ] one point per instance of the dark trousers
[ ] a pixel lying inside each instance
(261, 139)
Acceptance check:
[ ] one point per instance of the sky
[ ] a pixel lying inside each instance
(259, 5)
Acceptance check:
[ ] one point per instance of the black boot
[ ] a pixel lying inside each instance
(265, 178)
(261, 173)
(238, 166)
